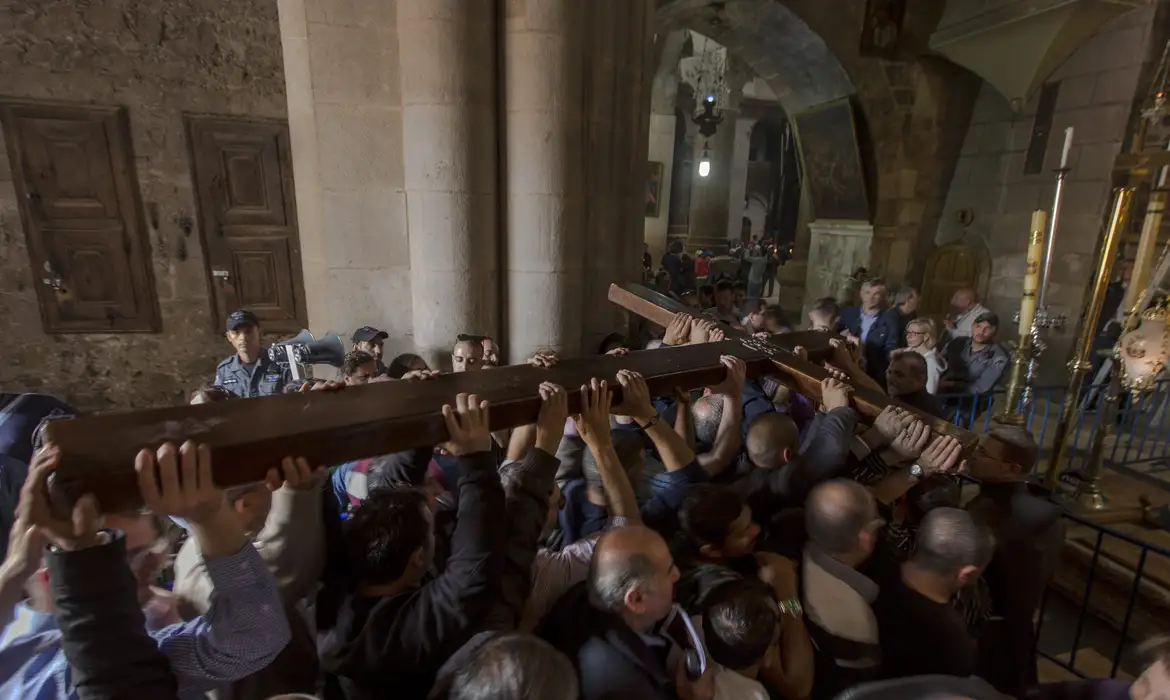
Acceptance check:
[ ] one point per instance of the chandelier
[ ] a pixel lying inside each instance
(706, 72)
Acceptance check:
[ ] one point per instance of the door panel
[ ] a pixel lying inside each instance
(243, 174)
(950, 268)
(73, 174)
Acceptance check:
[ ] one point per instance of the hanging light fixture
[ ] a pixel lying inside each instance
(705, 162)
(706, 73)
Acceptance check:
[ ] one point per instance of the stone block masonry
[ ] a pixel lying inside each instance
(159, 59)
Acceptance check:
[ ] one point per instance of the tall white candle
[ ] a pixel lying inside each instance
(1068, 133)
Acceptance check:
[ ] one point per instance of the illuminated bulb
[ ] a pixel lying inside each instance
(704, 168)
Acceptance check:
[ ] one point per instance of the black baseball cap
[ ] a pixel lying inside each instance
(368, 333)
(989, 317)
(241, 318)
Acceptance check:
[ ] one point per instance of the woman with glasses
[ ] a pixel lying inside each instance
(921, 337)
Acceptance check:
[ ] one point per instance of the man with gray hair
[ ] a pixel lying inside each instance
(921, 632)
(609, 625)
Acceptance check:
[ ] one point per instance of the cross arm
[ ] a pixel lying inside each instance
(804, 376)
(661, 309)
(249, 436)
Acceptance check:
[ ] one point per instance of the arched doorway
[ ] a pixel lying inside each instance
(952, 267)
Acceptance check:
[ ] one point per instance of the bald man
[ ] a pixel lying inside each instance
(607, 625)
(787, 467)
(965, 308)
(841, 518)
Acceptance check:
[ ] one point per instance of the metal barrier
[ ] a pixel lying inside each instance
(1123, 636)
(1140, 433)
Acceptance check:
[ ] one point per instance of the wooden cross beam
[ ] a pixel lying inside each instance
(794, 372)
(250, 436)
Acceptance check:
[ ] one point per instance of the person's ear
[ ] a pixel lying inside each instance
(787, 454)
(418, 558)
(967, 574)
(635, 601)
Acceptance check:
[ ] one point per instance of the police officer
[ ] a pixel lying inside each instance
(369, 340)
(249, 372)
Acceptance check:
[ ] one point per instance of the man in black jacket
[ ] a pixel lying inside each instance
(609, 625)
(399, 624)
(870, 323)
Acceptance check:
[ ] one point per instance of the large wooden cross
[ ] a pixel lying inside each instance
(250, 436)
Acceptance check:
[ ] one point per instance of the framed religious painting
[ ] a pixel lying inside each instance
(882, 31)
(827, 140)
(653, 189)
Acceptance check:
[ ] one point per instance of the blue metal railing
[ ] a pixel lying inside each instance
(1140, 431)
(1123, 633)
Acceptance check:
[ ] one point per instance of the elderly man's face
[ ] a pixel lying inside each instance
(904, 377)
(467, 357)
(962, 300)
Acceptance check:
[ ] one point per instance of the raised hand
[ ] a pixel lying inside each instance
(550, 423)
(701, 331)
(421, 374)
(891, 421)
(178, 482)
(834, 393)
(543, 358)
(295, 474)
(636, 401)
(467, 426)
(36, 523)
(593, 421)
(942, 456)
(911, 440)
(732, 385)
(679, 330)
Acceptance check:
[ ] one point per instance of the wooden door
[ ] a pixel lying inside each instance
(247, 213)
(950, 268)
(73, 171)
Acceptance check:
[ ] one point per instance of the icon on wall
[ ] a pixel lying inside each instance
(653, 188)
(883, 28)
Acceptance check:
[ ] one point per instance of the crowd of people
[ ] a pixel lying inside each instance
(731, 543)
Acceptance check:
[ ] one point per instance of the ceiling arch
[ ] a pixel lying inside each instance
(770, 38)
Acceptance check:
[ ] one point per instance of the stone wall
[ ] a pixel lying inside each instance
(1097, 92)
(159, 59)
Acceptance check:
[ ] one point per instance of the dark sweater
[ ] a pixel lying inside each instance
(394, 645)
(103, 632)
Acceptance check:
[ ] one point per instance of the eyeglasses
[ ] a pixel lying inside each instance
(915, 333)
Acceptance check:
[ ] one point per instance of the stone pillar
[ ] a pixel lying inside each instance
(836, 248)
(663, 122)
(737, 191)
(449, 152)
(543, 91)
(709, 195)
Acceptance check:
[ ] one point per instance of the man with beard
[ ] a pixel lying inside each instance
(369, 340)
(249, 372)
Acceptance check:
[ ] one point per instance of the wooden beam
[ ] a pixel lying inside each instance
(250, 436)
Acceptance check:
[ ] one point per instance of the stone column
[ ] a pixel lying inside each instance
(543, 91)
(737, 192)
(448, 52)
(709, 195)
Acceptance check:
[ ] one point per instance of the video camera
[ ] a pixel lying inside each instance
(303, 349)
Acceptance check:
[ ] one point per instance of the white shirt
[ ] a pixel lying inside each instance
(730, 685)
(933, 368)
(963, 323)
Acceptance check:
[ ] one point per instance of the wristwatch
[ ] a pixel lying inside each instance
(917, 471)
